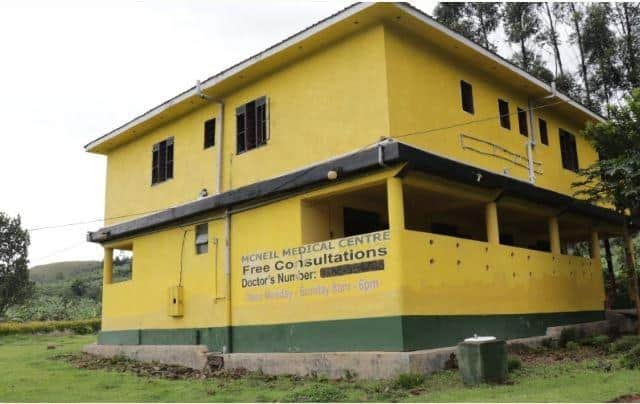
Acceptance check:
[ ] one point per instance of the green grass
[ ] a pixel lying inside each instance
(32, 373)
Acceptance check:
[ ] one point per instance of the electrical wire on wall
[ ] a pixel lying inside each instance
(184, 237)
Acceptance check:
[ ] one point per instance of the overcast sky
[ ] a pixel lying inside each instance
(74, 70)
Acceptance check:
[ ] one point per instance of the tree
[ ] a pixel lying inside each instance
(576, 16)
(549, 35)
(475, 21)
(601, 51)
(15, 286)
(627, 21)
(615, 177)
(521, 23)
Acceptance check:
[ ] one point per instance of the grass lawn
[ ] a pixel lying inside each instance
(31, 372)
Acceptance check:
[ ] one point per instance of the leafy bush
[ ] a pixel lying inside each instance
(596, 341)
(631, 359)
(409, 381)
(317, 393)
(568, 335)
(78, 327)
(572, 345)
(513, 363)
(625, 343)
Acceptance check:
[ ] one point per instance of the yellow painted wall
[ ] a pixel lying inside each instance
(448, 275)
(424, 96)
(371, 84)
(329, 103)
(424, 274)
(377, 82)
(142, 302)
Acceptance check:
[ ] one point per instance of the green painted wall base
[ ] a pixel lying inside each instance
(392, 334)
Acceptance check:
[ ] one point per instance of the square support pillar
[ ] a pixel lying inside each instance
(594, 246)
(493, 229)
(395, 203)
(554, 235)
(107, 266)
(395, 207)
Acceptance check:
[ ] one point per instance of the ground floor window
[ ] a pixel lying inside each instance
(122, 263)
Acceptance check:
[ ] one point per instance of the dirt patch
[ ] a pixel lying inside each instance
(548, 356)
(629, 398)
(143, 369)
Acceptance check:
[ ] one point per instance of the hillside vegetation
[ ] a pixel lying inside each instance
(61, 270)
(70, 290)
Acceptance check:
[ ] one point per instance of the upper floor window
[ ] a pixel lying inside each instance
(162, 161)
(466, 92)
(568, 150)
(522, 122)
(503, 110)
(251, 125)
(209, 133)
(544, 136)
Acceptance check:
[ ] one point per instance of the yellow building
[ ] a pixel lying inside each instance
(374, 182)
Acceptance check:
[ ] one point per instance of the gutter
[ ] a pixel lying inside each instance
(393, 152)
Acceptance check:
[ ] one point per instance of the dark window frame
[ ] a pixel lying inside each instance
(523, 126)
(503, 113)
(544, 131)
(202, 238)
(252, 125)
(568, 150)
(209, 133)
(466, 97)
(162, 154)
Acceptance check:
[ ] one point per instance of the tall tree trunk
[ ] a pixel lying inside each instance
(523, 49)
(583, 64)
(632, 66)
(605, 88)
(554, 40)
(611, 274)
(631, 271)
(483, 27)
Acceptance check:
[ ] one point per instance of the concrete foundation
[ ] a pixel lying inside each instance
(190, 356)
(363, 365)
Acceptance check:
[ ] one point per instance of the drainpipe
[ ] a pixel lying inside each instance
(227, 216)
(220, 139)
(531, 141)
(227, 273)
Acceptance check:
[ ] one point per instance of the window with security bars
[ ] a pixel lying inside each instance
(209, 133)
(466, 92)
(522, 122)
(544, 136)
(252, 129)
(503, 111)
(568, 150)
(202, 238)
(162, 161)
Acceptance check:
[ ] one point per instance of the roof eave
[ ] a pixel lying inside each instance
(225, 74)
(301, 36)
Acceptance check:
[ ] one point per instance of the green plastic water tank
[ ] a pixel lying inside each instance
(482, 360)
